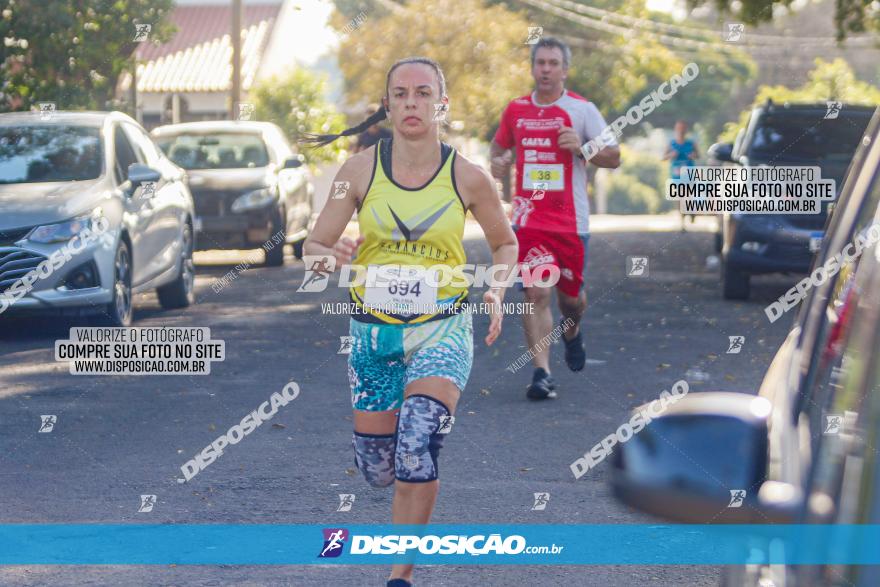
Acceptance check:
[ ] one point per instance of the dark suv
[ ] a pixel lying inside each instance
(784, 135)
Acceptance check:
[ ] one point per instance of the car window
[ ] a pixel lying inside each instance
(125, 154)
(216, 150)
(43, 153)
(143, 144)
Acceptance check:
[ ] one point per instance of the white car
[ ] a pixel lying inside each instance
(91, 212)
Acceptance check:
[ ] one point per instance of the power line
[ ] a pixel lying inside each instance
(751, 38)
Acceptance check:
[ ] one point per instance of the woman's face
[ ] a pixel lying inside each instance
(413, 93)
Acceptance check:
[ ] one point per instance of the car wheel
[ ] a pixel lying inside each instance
(118, 312)
(180, 292)
(734, 284)
(275, 255)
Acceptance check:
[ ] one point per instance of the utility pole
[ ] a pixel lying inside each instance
(235, 96)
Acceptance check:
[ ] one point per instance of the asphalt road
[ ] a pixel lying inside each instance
(119, 437)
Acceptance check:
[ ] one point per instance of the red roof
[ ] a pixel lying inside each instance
(198, 56)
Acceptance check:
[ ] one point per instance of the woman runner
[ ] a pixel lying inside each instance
(412, 345)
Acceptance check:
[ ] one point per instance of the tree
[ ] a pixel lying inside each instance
(481, 50)
(71, 52)
(850, 16)
(296, 103)
(829, 80)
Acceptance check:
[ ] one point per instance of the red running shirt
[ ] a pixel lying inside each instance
(541, 166)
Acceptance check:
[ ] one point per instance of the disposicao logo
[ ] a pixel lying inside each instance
(334, 540)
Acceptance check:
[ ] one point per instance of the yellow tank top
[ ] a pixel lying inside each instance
(414, 228)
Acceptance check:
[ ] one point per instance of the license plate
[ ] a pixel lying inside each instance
(816, 242)
(197, 224)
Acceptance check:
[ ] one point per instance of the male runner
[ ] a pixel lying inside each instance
(551, 212)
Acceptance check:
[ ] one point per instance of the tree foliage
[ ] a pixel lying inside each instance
(850, 16)
(829, 80)
(296, 103)
(480, 45)
(71, 52)
(481, 49)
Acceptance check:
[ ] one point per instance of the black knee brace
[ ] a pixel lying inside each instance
(374, 456)
(421, 427)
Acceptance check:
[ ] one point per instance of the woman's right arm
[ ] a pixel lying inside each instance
(352, 178)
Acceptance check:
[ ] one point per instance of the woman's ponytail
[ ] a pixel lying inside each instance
(316, 141)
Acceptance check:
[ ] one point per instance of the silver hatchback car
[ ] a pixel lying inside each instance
(91, 212)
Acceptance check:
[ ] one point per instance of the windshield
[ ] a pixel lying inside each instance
(31, 154)
(215, 151)
(808, 136)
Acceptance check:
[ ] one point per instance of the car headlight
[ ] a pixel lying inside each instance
(64, 231)
(253, 200)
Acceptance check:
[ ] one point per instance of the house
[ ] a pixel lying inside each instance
(189, 77)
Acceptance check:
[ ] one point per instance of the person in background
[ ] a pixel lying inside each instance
(682, 152)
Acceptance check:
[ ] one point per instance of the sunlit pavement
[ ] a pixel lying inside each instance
(117, 438)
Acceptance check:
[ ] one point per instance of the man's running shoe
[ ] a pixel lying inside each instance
(542, 386)
(575, 354)
(398, 583)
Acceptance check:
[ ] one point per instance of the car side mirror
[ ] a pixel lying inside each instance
(721, 152)
(293, 162)
(704, 460)
(139, 173)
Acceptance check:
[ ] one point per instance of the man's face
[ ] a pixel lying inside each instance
(548, 69)
(412, 92)
(680, 128)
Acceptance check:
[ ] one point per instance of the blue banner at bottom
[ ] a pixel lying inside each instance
(252, 544)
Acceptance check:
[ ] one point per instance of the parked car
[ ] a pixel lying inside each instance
(804, 450)
(61, 174)
(784, 135)
(249, 187)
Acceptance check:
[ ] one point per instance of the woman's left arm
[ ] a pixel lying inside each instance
(481, 198)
